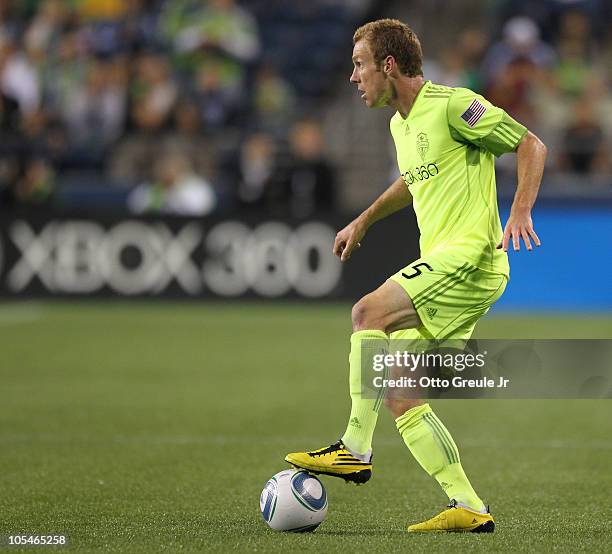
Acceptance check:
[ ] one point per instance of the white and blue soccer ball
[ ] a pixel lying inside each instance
(294, 501)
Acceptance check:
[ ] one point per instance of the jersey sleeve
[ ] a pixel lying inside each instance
(472, 118)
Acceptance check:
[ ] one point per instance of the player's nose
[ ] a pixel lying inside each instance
(354, 78)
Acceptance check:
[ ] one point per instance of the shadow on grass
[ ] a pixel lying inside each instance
(361, 532)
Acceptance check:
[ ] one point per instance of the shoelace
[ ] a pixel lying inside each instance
(332, 448)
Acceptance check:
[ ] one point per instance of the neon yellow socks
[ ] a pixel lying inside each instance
(364, 411)
(434, 448)
(424, 434)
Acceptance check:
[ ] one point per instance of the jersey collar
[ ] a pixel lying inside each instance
(416, 99)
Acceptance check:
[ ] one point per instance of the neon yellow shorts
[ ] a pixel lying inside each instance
(450, 296)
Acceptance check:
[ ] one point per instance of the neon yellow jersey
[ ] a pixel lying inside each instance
(445, 151)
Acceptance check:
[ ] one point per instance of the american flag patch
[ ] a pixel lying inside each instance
(473, 113)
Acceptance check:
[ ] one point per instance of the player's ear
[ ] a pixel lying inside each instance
(388, 65)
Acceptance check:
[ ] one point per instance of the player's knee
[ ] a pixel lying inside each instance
(364, 315)
(359, 315)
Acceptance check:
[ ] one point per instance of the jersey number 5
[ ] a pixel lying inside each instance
(417, 271)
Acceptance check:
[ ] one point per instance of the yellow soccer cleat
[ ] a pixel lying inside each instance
(456, 519)
(334, 460)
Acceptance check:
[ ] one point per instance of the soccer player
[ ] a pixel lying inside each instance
(446, 140)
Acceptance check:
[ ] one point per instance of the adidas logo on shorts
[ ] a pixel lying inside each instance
(431, 312)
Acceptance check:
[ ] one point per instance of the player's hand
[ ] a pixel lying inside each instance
(519, 226)
(348, 239)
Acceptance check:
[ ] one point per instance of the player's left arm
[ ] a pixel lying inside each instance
(473, 119)
(531, 156)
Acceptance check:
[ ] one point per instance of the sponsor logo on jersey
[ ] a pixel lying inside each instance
(473, 114)
(421, 173)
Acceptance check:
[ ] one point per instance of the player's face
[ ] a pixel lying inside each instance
(371, 81)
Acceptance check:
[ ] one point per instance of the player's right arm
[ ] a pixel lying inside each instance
(393, 199)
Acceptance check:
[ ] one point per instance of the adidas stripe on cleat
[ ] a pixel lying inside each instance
(334, 460)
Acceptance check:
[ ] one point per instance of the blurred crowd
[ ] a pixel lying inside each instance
(192, 105)
(552, 70)
(196, 106)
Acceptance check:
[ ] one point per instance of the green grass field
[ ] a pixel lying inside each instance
(153, 427)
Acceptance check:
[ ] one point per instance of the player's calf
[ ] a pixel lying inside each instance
(399, 406)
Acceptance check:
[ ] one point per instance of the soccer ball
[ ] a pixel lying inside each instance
(293, 500)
